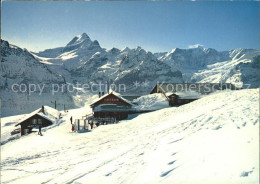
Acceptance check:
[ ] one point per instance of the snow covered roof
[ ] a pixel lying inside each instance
(202, 88)
(151, 102)
(122, 98)
(131, 98)
(186, 94)
(49, 114)
(189, 95)
(115, 94)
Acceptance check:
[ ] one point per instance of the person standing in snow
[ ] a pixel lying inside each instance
(40, 130)
(72, 126)
(91, 124)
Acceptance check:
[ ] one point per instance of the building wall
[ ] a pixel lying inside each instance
(117, 115)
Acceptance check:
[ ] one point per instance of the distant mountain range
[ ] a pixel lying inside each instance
(84, 61)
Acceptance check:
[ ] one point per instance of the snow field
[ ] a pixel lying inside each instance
(211, 140)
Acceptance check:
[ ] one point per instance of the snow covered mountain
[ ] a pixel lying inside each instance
(78, 50)
(211, 140)
(239, 67)
(83, 60)
(86, 60)
(21, 71)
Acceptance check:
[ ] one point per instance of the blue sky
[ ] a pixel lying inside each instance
(155, 26)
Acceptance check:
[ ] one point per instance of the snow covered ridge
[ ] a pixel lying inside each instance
(212, 140)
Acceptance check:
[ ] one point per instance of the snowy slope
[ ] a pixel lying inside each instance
(241, 70)
(211, 140)
(151, 102)
(206, 65)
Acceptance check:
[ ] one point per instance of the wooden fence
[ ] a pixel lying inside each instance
(84, 124)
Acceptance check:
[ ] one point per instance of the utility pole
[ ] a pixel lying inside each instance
(108, 86)
(55, 105)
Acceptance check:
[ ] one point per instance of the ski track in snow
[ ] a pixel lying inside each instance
(217, 136)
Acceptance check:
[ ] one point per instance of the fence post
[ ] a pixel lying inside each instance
(78, 125)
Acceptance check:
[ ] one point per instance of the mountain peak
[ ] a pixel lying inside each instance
(126, 49)
(79, 39)
(83, 36)
(138, 48)
(196, 46)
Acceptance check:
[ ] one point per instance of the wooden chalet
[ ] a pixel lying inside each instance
(183, 93)
(38, 118)
(111, 106)
(175, 99)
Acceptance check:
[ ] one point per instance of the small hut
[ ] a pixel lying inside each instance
(182, 98)
(41, 117)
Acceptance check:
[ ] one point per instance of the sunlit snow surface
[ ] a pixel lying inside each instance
(211, 140)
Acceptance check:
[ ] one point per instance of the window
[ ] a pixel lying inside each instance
(34, 121)
(40, 121)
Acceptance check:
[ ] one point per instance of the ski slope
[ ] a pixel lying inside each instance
(211, 140)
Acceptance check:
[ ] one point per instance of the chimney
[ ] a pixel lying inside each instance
(99, 94)
(43, 110)
(103, 93)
